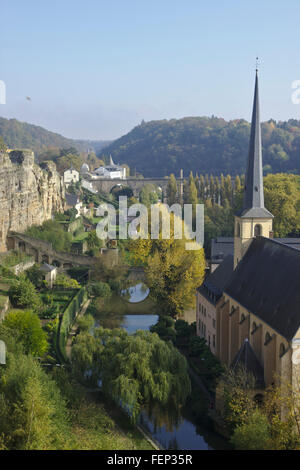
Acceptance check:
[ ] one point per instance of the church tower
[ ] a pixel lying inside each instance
(254, 219)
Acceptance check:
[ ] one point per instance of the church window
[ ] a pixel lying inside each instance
(257, 230)
(267, 338)
(238, 230)
(281, 350)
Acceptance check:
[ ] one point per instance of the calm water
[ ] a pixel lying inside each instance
(132, 323)
(136, 293)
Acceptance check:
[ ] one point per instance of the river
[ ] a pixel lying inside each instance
(172, 432)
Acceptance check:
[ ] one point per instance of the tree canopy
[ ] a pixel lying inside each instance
(159, 148)
(136, 370)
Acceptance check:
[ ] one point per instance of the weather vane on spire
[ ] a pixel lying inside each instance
(256, 64)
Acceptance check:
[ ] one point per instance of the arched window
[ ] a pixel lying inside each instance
(254, 326)
(238, 230)
(257, 230)
(281, 350)
(267, 338)
(243, 318)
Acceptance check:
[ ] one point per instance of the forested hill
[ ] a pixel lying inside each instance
(18, 134)
(205, 145)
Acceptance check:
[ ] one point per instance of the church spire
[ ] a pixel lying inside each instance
(253, 205)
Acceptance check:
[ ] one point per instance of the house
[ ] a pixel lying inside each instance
(73, 202)
(255, 298)
(49, 274)
(71, 176)
(111, 171)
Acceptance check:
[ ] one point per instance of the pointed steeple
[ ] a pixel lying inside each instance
(253, 205)
(111, 162)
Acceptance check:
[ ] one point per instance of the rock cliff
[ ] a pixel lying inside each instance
(29, 194)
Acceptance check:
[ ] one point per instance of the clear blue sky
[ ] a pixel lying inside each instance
(96, 68)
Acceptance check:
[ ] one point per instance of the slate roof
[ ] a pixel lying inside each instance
(267, 283)
(223, 246)
(246, 358)
(220, 248)
(47, 267)
(72, 199)
(213, 286)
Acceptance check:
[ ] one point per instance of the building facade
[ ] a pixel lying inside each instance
(70, 176)
(255, 302)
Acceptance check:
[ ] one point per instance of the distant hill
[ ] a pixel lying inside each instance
(18, 134)
(205, 145)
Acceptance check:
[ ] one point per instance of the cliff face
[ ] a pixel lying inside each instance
(29, 194)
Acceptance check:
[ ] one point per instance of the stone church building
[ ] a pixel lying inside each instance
(248, 308)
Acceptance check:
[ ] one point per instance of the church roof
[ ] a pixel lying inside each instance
(246, 358)
(267, 283)
(217, 280)
(223, 246)
(253, 204)
(220, 248)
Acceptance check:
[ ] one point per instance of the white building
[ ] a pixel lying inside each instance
(70, 176)
(49, 273)
(111, 171)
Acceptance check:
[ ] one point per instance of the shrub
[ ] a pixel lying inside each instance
(22, 294)
(100, 289)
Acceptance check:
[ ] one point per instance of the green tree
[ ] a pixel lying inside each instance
(254, 434)
(66, 282)
(100, 289)
(52, 231)
(172, 190)
(22, 294)
(282, 199)
(32, 411)
(93, 240)
(26, 327)
(136, 370)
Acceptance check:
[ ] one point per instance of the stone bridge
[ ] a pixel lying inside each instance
(43, 252)
(105, 185)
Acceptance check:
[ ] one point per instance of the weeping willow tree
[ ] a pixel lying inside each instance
(138, 370)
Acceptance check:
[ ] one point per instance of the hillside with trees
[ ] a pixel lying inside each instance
(205, 145)
(18, 134)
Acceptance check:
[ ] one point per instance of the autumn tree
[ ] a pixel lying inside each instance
(172, 271)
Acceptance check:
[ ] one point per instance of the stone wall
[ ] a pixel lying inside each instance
(29, 194)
